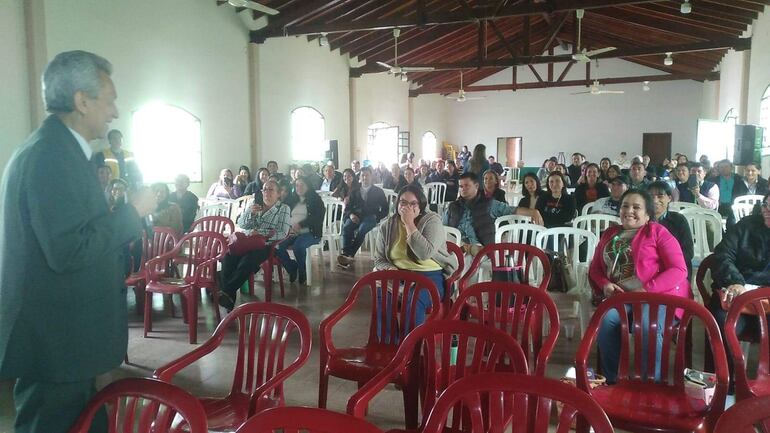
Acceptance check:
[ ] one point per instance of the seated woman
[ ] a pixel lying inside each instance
(346, 187)
(186, 200)
(492, 186)
(307, 217)
(556, 206)
(411, 178)
(117, 189)
(612, 173)
(604, 165)
(561, 168)
(742, 263)
(530, 191)
(167, 214)
(452, 181)
(224, 188)
(413, 239)
(591, 190)
(638, 255)
(270, 219)
(243, 179)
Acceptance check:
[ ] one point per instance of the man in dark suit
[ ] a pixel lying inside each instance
(62, 297)
(331, 179)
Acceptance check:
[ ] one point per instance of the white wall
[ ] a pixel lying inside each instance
(759, 77)
(731, 84)
(378, 98)
(294, 73)
(428, 114)
(553, 120)
(14, 111)
(191, 54)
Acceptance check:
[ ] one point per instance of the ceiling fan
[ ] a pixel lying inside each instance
(596, 90)
(584, 56)
(460, 95)
(401, 70)
(253, 5)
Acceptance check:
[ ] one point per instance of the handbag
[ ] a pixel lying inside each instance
(562, 277)
(240, 243)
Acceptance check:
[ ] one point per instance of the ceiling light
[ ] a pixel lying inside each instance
(686, 7)
(668, 61)
(404, 78)
(323, 40)
(646, 86)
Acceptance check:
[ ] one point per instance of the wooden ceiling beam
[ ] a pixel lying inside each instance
(292, 13)
(631, 19)
(451, 17)
(570, 83)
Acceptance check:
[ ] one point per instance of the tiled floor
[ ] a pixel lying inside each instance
(213, 374)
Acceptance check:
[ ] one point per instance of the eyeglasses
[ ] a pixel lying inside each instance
(268, 189)
(405, 203)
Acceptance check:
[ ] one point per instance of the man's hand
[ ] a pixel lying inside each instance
(610, 289)
(354, 218)
(296, 228)
(732, 292)
(256, 208)
(144, 201)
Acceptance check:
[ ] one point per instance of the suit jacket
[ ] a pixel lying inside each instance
(62, 291)
(376, 204)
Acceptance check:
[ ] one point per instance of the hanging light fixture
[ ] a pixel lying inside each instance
(686, 7)
(323, 40)
(404, 78)
(646, 86)
(668, 61)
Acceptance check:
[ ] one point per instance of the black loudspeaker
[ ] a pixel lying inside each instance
(748, 144)
(333, 153)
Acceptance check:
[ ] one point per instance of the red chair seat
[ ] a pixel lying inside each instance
(361, 363)
(660, 405)
(223, 413)
(169, 285)
(136, 278)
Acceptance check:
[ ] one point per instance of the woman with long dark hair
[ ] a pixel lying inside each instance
(307, 216)
(530, 191)
(243, 179)
(413, 239)
(492, 186)
(346, 187)
(592, 189)
(479, 163)
(556, 206)
(604, 165)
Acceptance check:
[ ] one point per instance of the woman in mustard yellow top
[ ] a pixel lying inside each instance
(413, 239)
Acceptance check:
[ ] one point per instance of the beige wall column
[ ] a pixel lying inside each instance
(37, 55)
(255, 126)
(355, 146)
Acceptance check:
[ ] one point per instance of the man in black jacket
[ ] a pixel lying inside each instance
(730, 186)
(331, 179)
(660, 192)
(575, 170)
(367, 206)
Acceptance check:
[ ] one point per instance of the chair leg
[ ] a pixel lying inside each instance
(147, 312)
(192, 314)
(251, 284)
(139, 297)
(323, 388)
(280, 279)
(411, 406)
(268, 277)
(309, 266)
(170, 299)
(215, 302)
(185, 306)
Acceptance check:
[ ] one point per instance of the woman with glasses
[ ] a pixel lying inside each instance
(413, 239)
(307, 218)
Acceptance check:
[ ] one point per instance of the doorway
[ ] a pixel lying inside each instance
(657, 145)
(509, 151)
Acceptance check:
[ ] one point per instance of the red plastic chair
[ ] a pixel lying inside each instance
(430, 362)
(528, 261)
(164, 239)
(515, 309)
(262, 364)
(485, 403)
(449, 283)
(360, 364)
(636, 402)
(746, 416)
(756, 300)
(268, 265)
(144, 406)
(305, 419)
(199, 265)
(218, 224)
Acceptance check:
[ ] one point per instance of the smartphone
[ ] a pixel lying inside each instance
(692, 182)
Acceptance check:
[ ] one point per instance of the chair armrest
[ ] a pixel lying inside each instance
(359, 402)
(166, 372)
(326, 325)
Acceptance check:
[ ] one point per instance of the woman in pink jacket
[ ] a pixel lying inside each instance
(638, 255)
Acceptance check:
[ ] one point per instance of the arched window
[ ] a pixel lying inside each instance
(166, 142)
(429, 149)
(382, 143)
(308, 135)
(764, 116)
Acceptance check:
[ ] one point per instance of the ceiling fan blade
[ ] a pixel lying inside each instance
(581, 57)
(599, 51)
(385, 65)
(254, 6)
(475, 98)
(417, 68)
(611, 92)
(452, 96)
(581, 93)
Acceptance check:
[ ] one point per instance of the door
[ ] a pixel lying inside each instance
(657, 145)
(509, 151)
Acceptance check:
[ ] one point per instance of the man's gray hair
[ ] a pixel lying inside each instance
(68, 73)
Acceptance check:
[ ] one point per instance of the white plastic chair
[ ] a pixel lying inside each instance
(520, 233)
(391, 196)
(511, 219)
(332, 235)
(749, 199)
(702, 223)
(238, 206)
(218, 209)
(678, 206)
(561, 239)
(595, 223)
(587, 208)
(436, 194)
(741, 210)
(453, 235)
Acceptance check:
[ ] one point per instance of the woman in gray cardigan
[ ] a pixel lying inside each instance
(413, 239)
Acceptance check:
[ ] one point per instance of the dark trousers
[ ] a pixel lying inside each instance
(236, 269)
(52, 407)
(300, 244)
(726, 210)
(353, 234)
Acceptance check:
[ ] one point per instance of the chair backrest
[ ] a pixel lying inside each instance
(491, 402)
(392, 197)
(678, 206)
(707, 265)
(595, 223)
(511, 219)
(453, 235)
(164, 240)
(197, 252)
(746, 416)
(530, 263)
(749, 199)
(587, 208)
(705, 225)
(436, 193)
(518, 233)
(140, 405)
(562, 239)
(262, 363)
(449, 283)
(216, 209)
(214, 223)
(427, 355)
(333, 217)
(742, 210)
(662, 313)
(238, 206)
(305, 419)
(758, 302)
(516, 309)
